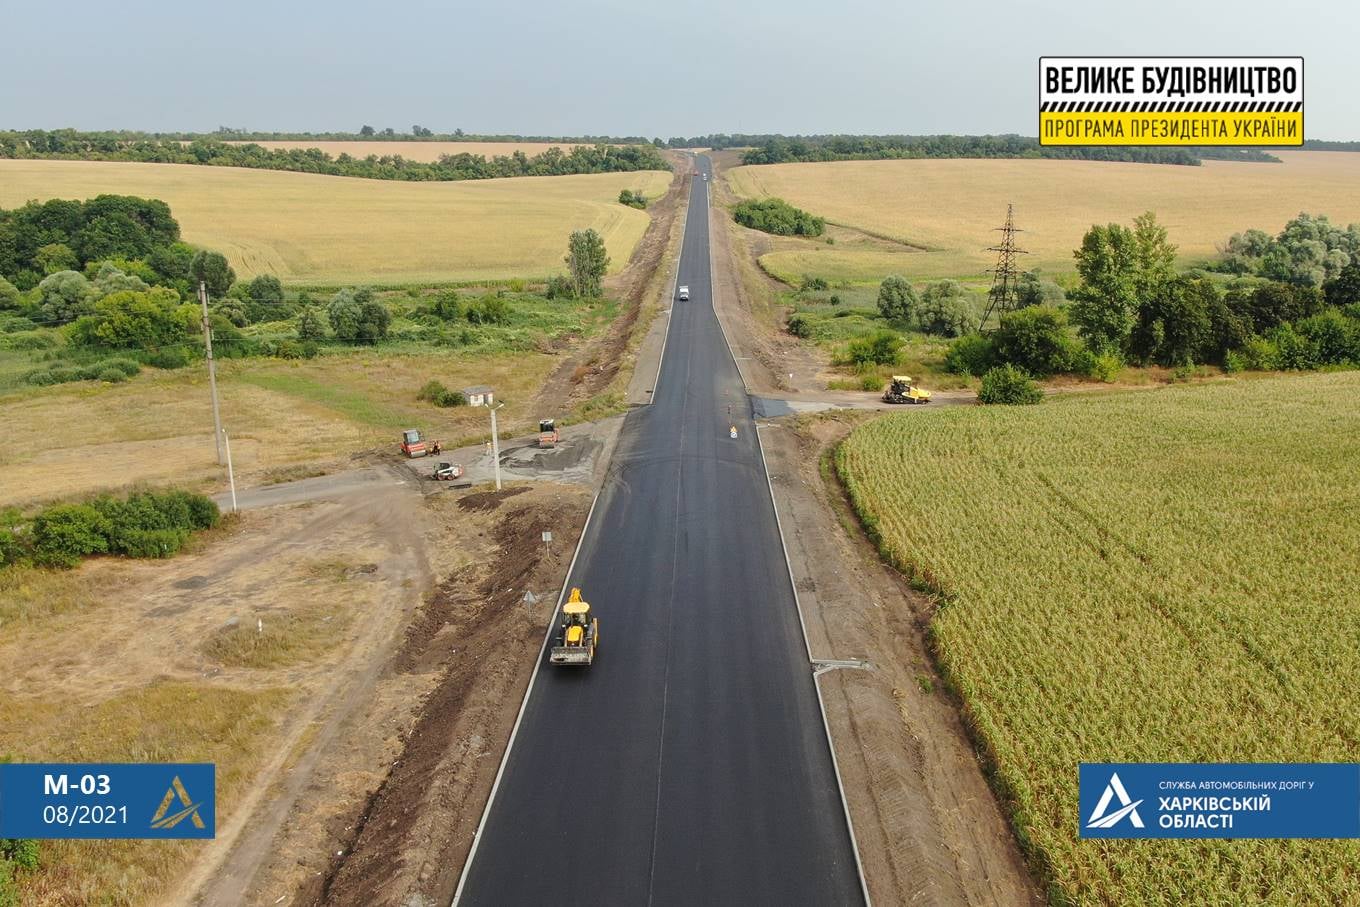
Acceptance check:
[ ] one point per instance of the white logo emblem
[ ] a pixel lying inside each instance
(1129, 807)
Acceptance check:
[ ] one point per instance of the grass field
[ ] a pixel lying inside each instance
(1157, 576)
(311, 229)
(950, 207)
(425, 152)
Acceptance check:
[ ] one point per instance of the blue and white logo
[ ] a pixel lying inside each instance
(1101, 818)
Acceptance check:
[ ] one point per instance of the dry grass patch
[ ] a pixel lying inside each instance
(314, 229)
(166, 722)
(279, 639)
(157, 428)
(952, 206)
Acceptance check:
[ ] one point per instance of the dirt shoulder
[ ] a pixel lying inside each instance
(928, 827)
(405, 843)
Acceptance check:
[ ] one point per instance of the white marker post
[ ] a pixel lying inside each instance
(496, 447)
(231, 474)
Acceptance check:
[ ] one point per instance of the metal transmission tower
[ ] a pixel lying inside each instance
(1001, 298)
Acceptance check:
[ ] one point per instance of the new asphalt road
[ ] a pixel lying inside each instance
(689, 764)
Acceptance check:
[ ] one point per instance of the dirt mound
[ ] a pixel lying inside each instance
(482, 501)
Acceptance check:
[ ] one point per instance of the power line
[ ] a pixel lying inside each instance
(1002, 296)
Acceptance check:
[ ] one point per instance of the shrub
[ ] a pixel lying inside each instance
(489, 310)
(168, 358)
(63, 534)
(1329, 335)
(971, 354)
(1035, 339)
(128, 367)
(311, 325)
(896, 299)
(800, 326)
(112, 376)
(435, 392)
(1257, 355)
(1294, 350)
(22, 852)
(878, 348)
(632, 199)
(813, 283)
(834, 300)
(560, 287)
(288, 349)
(447, 306)
(29, 340)
(1010, 386)
(945, 310)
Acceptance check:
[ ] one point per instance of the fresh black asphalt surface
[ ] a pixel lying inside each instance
(689, 764)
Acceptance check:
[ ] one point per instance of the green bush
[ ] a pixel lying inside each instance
(834, 300)
(128, 367)
(811, 283)
(9, 888)
(22, 852)
(774, 215)
(800, 326)
(1010, 386)
(112, 375)
(1294, 351)
(64, 534)
(435, 392)
(971, 354)
(878, 348)
(632, 199)
(560, 287)
(25, 341)
(1035, 339)
(489, 310)
(151, 543)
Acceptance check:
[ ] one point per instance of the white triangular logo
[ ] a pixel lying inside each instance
(1128, 807)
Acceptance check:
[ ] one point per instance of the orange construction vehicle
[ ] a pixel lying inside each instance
(413, 444)
(548, 435)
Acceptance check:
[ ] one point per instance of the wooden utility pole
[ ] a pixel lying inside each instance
(212, 373)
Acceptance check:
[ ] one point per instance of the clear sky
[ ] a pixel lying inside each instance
(621, 67)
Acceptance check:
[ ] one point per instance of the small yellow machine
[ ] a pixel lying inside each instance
(902, 391)
(579, 634)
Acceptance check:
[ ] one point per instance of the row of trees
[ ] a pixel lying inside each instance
(1309, 251)
(1133, 306)
(462, 166)
(781, 149)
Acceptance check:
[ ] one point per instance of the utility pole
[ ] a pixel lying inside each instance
(212, 372)
(496, 446)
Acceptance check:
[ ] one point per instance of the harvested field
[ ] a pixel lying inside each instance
(1160, 576)
(950, 207)
(309, 229)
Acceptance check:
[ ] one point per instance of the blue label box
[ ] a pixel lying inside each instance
(108, 800)
(1220, 800)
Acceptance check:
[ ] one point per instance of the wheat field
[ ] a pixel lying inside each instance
(951, 207)
(425, 152)
(1166, 575)
(313, 229)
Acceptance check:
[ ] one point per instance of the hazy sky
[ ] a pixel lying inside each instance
(621, 67)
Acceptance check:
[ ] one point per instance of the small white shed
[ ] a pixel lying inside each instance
(479, 395)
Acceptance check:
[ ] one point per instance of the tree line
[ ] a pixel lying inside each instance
(72, 145)
(781, 149)
(1132, 306)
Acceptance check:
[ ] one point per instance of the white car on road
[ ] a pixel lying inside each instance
(684, 294)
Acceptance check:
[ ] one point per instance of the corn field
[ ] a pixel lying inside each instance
(1162, 576)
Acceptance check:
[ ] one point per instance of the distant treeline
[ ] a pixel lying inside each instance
(778, 150)
(1322, 145)
(90, 146)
